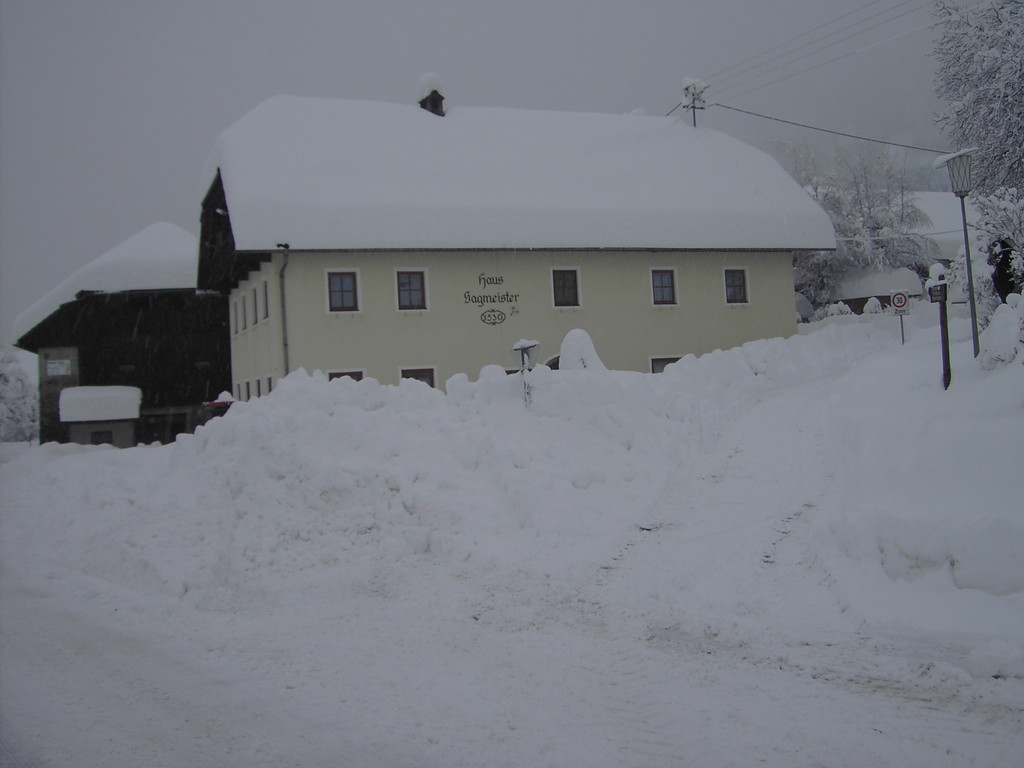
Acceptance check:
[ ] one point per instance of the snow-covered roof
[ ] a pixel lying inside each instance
(162, 256)
(99, 403)
(869, 282)
(340, 174)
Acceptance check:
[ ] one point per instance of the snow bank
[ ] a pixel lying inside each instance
(323, 473)
(1003, 339)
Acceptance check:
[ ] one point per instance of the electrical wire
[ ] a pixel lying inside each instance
(738, 85)
(714, 75)
(746, 71)
(828, 130)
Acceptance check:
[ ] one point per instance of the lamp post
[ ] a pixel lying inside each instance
(959, 166)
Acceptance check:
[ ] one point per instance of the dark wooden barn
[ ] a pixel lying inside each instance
(170, 342)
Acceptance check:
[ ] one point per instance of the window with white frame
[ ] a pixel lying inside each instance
(355, 375)
(342, 292)
(565, 287)
(426, 375)
(663, 286)
(736, 286)
(412, 289)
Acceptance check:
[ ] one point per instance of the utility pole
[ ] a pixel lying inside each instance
(693, 96)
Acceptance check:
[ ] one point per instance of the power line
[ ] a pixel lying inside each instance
(799, 49)
(828, 130)
(726, 89)
(791, 40)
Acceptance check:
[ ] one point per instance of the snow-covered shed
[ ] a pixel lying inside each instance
(861, 285)
(361, 237)
(98, 415)
(132, 318)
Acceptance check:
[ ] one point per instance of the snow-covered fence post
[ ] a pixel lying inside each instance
(527, 354)
(936, 286)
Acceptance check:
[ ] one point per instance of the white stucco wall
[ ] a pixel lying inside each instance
(450, 336)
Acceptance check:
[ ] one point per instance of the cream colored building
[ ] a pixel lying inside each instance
(381, 240)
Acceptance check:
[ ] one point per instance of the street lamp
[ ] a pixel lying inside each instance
(959, 166)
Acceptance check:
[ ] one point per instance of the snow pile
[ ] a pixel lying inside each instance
(99, 403)
(810, 536)
(1003, 339)
(317, 471)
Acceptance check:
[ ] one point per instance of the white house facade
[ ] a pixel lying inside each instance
(385, 241)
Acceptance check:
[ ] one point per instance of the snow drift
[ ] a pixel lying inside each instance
(810, 531)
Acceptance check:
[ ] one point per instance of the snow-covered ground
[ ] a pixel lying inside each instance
(802, 552)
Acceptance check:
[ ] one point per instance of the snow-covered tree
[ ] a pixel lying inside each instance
(980, 77)
(1001, 217)
(868, 196)
(19, 405)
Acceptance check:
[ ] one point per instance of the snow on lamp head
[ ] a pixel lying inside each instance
(959, 166)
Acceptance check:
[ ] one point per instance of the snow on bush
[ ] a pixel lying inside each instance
(19, 403)
(1003, 338)
(839, 309)
(577, 352)
(873, 306)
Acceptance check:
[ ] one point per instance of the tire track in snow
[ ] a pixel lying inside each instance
(738, 518)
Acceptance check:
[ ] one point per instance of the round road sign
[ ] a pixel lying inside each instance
(899, 301)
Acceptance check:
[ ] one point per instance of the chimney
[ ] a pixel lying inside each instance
(430, 94)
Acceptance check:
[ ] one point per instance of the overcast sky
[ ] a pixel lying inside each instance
(108, 108)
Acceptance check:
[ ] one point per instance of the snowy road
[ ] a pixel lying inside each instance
(708, 626)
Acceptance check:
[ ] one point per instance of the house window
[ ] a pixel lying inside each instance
(234, 317)
(663, 283)
(736, 286)
(248, 391)
(266, 302)
(426, 375)
(658, 364)
(357, 375)
(269, 385)
(342, 292)
(244, 315)
(258, 386)
(565, 283)
(412, 290)
(255, 309)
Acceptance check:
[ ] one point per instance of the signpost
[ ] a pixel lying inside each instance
(900, 303)
(936, 286)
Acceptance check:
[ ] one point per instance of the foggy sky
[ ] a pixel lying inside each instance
(109, 108)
